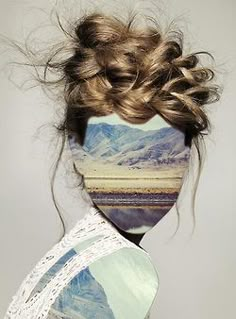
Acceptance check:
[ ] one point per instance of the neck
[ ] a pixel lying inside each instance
(135, 238)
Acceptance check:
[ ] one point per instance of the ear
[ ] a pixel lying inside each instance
(74, 144)
(72, 140)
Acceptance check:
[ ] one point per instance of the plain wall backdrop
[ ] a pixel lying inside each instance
(197, 274)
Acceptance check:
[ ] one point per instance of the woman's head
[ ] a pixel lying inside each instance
(136, 73)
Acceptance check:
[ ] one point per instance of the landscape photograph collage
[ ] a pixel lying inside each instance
(133, 172)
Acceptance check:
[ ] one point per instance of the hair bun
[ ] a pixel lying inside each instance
(137, 74)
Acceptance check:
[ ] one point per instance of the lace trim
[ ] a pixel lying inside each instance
(90, 225)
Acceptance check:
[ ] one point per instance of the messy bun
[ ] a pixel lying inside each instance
(137, 73)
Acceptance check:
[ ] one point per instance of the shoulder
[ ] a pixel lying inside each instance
(122, 285)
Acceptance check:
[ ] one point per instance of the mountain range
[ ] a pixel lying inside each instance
(123, 145)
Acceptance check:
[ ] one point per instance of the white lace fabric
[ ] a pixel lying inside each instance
(92, 224)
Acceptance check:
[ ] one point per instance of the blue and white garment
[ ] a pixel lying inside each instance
(92, 273)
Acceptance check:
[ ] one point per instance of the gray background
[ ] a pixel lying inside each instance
(197, 275)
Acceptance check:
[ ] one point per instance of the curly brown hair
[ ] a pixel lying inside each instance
(137, 73)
